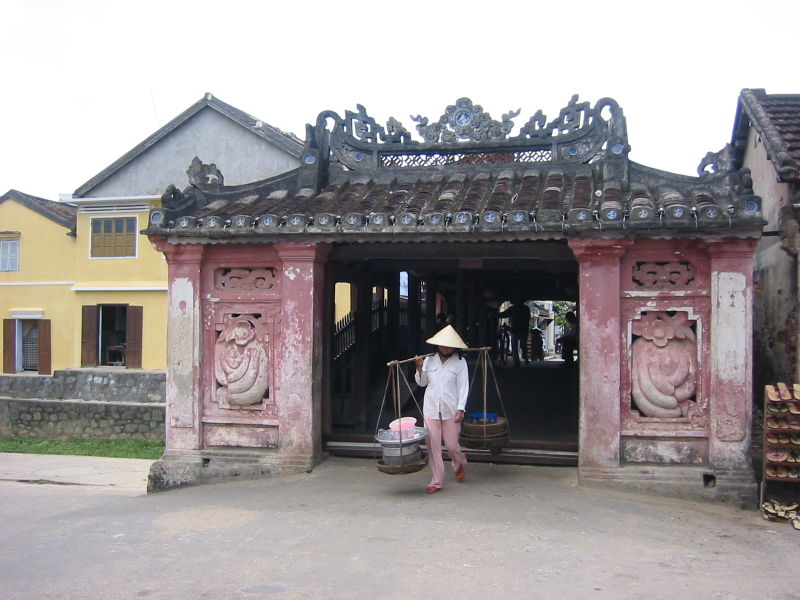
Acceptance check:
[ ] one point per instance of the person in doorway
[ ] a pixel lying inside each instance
(520, 316)
(569, 339)
(537, 344)
(446, 381)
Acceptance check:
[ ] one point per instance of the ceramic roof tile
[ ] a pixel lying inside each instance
(62, 213)
(777, 119)
(554, 179)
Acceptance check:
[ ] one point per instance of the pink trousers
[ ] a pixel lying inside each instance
(447, 430)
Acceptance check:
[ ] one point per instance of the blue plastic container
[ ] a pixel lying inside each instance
(478, 417)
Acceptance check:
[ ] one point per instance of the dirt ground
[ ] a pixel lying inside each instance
(86, 529)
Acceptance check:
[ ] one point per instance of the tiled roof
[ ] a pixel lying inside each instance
(288, 142)
(62, 213)
(776, 117)
(569, 177)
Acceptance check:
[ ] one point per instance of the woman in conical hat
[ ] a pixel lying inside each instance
(446, 381)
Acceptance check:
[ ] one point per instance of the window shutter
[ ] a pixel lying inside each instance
(133, 337)
(45, 361)
(9, 345)
(89, 349)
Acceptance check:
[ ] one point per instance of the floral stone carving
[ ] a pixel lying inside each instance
(241, 364)
(664, 364)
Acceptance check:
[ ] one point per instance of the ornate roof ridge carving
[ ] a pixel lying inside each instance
(466, 134)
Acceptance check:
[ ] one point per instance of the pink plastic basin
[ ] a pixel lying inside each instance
(405, 426)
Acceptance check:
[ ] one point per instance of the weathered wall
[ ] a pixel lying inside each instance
(86, 404)
(665, 329)
(81, 420)
(775, 275)
(243, 384)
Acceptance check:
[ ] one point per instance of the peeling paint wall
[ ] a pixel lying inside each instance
(245, 355)
(183, 345)
(600, 357)
(694, 296)
(775, 275)
(731, 352)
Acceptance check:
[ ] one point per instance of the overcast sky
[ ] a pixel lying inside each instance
(84, 81)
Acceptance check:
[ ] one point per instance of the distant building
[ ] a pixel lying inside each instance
(37, 249)
(765, 140)
(102, 289)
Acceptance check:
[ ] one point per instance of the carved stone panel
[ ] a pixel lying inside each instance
(244, 279)
(662, 275)
(241, 362)
(664, 365)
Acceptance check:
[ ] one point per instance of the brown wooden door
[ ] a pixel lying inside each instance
(9, 345)
(133, 337)
(44, 354)
(89, 350)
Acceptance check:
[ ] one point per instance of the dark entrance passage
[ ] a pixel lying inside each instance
(111, 335)
(402, 293)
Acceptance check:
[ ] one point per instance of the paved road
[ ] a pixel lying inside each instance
(346, 531)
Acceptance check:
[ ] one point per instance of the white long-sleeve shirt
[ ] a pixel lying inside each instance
(446, 386)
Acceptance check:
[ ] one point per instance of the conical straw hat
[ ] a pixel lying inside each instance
(447, 337)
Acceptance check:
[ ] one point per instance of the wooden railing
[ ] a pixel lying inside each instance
(344, 335)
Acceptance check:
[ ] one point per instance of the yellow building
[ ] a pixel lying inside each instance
(79, 285)
(37, 256)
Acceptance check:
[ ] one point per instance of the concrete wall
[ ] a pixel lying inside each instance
(212, 137)
(85, 404)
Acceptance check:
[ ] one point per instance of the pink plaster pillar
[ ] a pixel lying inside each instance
(731, 356)
(599, 352)
(300, 361)
(184, 345)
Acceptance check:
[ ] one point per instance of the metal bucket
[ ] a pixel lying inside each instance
(405, 459)
(392, 439)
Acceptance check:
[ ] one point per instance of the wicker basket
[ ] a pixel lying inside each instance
(499, 427)
(494, 444)
(403, 469)
(492, 436)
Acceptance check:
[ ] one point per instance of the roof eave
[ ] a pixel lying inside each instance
(749, 105)
(23, 199)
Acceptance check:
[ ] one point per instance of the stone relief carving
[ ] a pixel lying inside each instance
(663, 275)
(664, 365)
(244, 279)
(241, 364)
